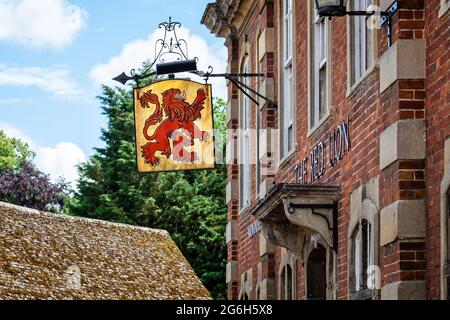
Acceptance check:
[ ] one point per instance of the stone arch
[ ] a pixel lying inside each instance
(315, 240)
(363, 208)
(288, 260)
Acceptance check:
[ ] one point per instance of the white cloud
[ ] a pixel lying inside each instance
(58, 161)
(13, 132)
(55, 80)
(138, 51)
(43, 23)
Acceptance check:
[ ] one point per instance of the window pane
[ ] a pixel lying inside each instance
(258, 148)
(290, 138)
(289, 283)
(322, 91)
(361, 41)
(319, 83)
(357, 261)
(283, 285)
(365, 252)
(287, 18)
(245, 142)
(287, 81)
(368, 48)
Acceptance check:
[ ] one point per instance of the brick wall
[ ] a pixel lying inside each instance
(437, 101)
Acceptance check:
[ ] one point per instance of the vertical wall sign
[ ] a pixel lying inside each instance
(174, 126)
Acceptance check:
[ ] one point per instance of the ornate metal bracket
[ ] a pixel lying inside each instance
(167, 49)
(386, 17)
(171, 56)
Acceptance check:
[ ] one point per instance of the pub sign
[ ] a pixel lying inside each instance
(174, 126)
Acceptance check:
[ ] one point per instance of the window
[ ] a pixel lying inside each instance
(286, 283)
(362, 256)
(245, 141)
(258, 130)
(317, 274)
(287, 124)
(361, 42)
(258, 150)
(319, 79)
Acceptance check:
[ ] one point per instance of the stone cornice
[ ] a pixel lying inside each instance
(226, 17)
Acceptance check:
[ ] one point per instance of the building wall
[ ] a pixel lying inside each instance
(399, 121)
(438, 131)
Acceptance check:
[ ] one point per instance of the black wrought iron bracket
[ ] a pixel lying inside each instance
(245, 89)
(386, 17)
(169, 45)
(171, 57)
(314, 207)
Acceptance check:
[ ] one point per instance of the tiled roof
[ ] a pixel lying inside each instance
(50, 256)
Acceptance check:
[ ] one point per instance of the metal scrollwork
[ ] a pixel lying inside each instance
(169, 48)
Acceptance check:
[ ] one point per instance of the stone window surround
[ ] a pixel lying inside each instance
(244, 59)
(287, 114)
(445, 219)
(374, 65)
(286, 157)
(445, 5)
(331, 265)
(364, 205)
(287, 259)
(258, 283)
(246, 284)
(370, 213)
(316, 126)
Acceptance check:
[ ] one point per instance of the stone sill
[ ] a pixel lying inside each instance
(365, 294)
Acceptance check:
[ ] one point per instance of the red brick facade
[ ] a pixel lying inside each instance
(410, 260)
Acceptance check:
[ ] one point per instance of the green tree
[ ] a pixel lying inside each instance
(13, 153)
(189, 205)
(21, 183)
(29, 187)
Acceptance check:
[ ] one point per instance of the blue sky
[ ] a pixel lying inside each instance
(54, 54)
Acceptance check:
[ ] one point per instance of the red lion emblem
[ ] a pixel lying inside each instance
(180, 120)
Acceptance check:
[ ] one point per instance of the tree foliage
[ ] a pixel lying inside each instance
(21, 183)
(27, 186)
(189, 205)
(13, 153)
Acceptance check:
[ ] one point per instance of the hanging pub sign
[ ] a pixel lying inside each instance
(174, 118)
(174, 126)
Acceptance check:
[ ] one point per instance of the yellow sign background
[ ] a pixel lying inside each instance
(203, 149)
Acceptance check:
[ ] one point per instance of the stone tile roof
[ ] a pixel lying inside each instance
(49, 256)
